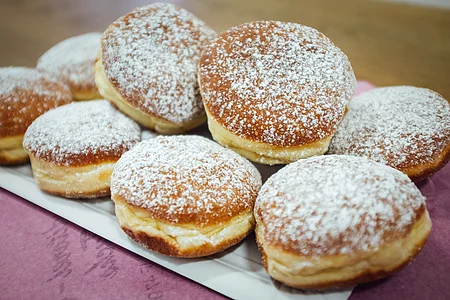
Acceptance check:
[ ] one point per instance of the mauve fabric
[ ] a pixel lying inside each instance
(43, 256)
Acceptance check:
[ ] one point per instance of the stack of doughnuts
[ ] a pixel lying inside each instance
(272, 92)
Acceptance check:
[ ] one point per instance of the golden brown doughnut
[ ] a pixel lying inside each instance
(147, 67)
(25, 94)
(73, 148)
(72, 61)
(184, 196)
(273, 91)
(334, 221)
(404, 127)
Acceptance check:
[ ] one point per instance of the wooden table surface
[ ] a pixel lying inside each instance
(387, 43)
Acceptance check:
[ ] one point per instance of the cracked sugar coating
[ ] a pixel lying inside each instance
(150, 56)
(401, 126)
(72, 61)
(81, 133)
(279, 83)
(25, 94)
(336, 205)
(186, 179)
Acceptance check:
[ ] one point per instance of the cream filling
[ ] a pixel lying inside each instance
(184, 237)
(160, 125)
(306, 271)
(11, 149)
(264, 153)
(71, 181)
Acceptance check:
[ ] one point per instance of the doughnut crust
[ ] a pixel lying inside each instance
(25, 94)
(404, 127)
(184, 196)
(11, 150)
(72, 61)
(335, 221)
(73, 149)
(147, 67)
(89, 181)
(273, 91)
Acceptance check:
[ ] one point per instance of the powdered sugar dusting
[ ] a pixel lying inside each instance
(72, 60)
(151, 57)
(147, 134)
(81, 129)
(15, 80)
(183, 179)
(336, 204)
(25, 94)
(399, 126)
(280, 83)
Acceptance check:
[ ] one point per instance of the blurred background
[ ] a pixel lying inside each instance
(400, 42)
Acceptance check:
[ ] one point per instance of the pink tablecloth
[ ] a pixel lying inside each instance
(44, 257)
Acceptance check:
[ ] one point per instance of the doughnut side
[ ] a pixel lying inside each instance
(181, 240)
(425, 170)
(264, 153)
(11, 150)
(88, 181)
(86, 94)
(152, 122)
(336, 271)
(29, 94)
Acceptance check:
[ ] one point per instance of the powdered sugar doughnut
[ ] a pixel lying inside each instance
(72, 61)
(73, 149)
(405, 127)
(334, 221)
(184, 196)
(25, 94)
(273, 91)
(148, 67)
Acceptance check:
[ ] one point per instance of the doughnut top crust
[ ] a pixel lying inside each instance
(25, 94)
(72, 61)
(150, 56)
(186, 180)
(334, 204)
(400, 126)
(284, 84)
(81, 133)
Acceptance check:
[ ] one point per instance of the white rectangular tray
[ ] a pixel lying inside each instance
(236, 272)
